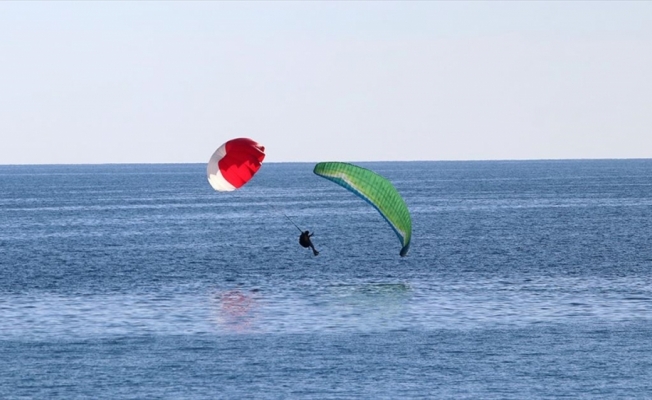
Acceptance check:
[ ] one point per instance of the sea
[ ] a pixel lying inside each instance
(524, 280)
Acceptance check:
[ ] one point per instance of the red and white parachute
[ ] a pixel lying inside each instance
(234, 163)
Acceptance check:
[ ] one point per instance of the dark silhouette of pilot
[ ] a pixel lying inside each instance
(304, 240)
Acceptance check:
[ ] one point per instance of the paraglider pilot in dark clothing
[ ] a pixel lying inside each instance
(304, 240)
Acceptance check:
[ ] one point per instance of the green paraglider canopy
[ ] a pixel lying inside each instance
(377, 191)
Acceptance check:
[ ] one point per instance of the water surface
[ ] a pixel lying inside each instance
(525, 279)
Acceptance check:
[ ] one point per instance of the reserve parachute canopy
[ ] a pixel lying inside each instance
(375, 190)
(234, 163)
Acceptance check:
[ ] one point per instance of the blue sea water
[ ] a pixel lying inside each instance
(525, 279)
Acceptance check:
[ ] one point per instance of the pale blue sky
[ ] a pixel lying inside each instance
(114, 82)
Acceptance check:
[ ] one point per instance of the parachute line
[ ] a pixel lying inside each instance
(285, 215)
(292, 222)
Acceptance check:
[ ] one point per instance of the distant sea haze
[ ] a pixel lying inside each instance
(525, 279)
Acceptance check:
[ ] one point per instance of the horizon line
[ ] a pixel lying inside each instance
(356, 161)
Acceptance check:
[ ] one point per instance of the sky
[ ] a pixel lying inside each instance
(169, 82)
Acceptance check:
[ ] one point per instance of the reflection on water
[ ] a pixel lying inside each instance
(364, 307)
(236, 310)
(360, 307)
(371, 304)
